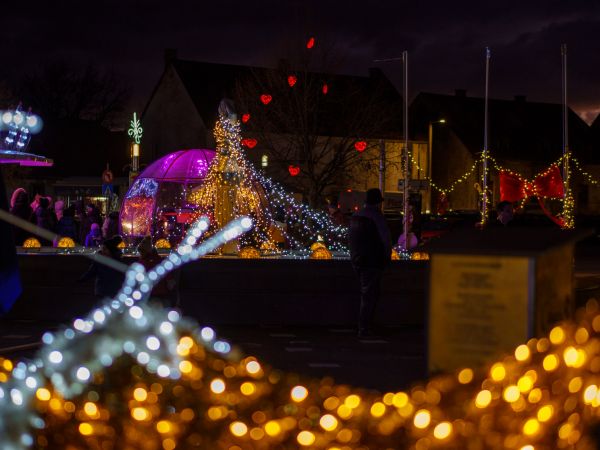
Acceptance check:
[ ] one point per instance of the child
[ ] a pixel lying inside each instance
(94, 237)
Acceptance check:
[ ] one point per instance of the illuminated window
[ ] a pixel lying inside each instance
(264, 161)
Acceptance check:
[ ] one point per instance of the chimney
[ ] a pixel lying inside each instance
(520, 98)
(462, 93)
(170, 56)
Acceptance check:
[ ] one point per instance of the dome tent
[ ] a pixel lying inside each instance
(156, 203)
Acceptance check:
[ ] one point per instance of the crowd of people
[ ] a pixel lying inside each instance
(82, 223)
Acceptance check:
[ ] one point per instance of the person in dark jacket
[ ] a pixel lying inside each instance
(66, 225)
(370, 252)
(150, 258)
(19, 206)
(110, 227)
(44, 218)
(108, 280)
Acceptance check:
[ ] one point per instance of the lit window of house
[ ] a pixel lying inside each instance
(264, 161)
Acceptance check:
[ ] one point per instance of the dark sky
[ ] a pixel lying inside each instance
(445, 40)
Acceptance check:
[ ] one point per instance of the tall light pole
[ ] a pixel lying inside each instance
(430, 159)
(135, 131)
(406, 192)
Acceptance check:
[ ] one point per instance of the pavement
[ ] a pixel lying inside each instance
(392, 359)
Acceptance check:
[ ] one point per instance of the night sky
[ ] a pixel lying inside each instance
(445, 40)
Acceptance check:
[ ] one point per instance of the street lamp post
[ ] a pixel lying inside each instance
(429, 161)
(135, 131)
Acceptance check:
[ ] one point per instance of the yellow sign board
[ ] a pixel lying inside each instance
(479, 308)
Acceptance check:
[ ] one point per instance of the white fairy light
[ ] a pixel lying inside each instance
(83, 374)
(163, 371)
(143, 358)
(55, 357)
(136, 312)
(99, 316)
(30, 382)
(90, 348)
(153, 343)
(207, 333)
(166, 328)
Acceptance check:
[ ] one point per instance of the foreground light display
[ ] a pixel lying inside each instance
(122, 329)
(134, 375)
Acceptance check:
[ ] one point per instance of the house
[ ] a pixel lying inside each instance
(524, 136)
(182, 111)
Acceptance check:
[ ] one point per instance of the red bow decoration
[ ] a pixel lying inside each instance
(249, 142)
(266, 99)
(546, 185)
(245, 118)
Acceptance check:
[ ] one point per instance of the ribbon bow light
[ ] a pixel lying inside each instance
(548, 184)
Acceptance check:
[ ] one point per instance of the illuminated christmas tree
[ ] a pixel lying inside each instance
(230, 189)
(233, 188)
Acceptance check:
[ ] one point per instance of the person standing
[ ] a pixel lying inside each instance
(150, 258)
(370, 252)
(19, 206)
(108, 281)
(66, 225)
(110, 227)
(44, 218)
(91, 215)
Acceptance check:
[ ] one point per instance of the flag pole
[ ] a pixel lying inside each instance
(484, 197)
(568, 203)
(406, 192)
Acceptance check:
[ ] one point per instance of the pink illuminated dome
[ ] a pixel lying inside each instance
(157, 202)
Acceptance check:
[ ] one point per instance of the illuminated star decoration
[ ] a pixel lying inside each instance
(71, 358)
(135, 129)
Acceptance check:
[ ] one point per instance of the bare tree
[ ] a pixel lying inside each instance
(60, 90)
(314, 120)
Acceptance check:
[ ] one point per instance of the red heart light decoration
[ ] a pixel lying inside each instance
(249, 142)
(266, 99)
(310, 43)
(360, 146)
(292, 80)
(325, 89)
(293, 170)
(245, 118)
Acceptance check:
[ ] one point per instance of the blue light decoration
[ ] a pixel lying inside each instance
(20, 127)
(143, 187)
(16, 129)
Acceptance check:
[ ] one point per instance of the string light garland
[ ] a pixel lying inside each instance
(568, 198)
(447, 190)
